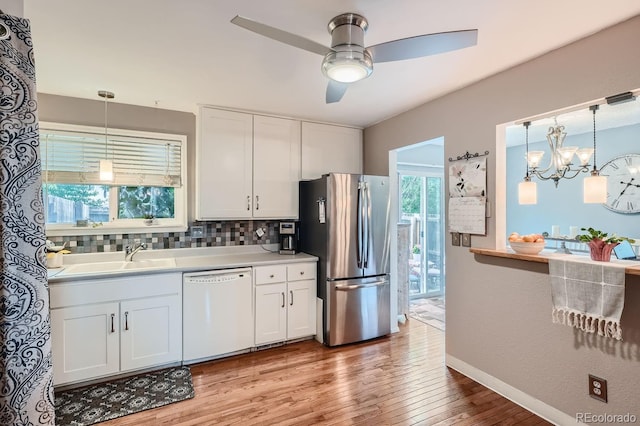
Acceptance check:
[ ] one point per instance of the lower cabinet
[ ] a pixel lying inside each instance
(150, 327)
(140, 327)
(85, 345)
(285, 302)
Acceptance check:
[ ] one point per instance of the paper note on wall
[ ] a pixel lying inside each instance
(467, 215)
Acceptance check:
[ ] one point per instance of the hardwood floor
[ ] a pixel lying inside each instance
(396, 380)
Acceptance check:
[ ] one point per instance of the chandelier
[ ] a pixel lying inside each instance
(561, 165)
(561, 162)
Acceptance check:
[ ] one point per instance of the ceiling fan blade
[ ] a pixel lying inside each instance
(281, 36)
(424, 45)
(335, 91)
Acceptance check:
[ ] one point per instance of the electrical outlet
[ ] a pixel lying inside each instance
(259, 232)
(597, 388)
(197, 231)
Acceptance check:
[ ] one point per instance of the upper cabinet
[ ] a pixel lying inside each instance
(248, 166)
(327, 148)
(276, 167)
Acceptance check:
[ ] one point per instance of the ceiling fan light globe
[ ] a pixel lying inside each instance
(347, 66)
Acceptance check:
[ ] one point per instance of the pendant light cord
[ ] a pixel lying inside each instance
(526, 126)
(106, 138)
(594, 108)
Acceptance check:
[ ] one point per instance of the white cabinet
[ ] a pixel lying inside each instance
(85, 342)
(148, 334)
(105, 326)
(271, 313)
(285, 302)
(328, 148)
(224, 156)
(248, 166)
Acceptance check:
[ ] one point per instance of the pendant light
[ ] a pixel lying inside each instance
(106, 165)
(595, 186)
(527, 190)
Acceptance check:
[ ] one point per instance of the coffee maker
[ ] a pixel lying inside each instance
(288, 238)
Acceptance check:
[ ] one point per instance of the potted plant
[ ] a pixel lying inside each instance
(600, 243)
(416, 252)
(148, 218)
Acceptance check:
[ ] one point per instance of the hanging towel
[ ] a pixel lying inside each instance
(588, 295)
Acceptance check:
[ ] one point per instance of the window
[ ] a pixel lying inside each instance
(148, 180)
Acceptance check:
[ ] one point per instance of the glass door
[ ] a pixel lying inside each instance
(421, 205)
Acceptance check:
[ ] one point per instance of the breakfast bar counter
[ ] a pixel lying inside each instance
(632, 267)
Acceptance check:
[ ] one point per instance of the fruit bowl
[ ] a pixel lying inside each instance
(527, 248)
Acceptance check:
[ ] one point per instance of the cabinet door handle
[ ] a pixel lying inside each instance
(113, 328)
(248, 202)
(271, 276)
(291, 295)
(282, 300)
(126, 320)
(257, 202)
(301, 272)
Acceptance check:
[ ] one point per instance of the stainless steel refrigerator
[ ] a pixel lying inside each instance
(344, 221)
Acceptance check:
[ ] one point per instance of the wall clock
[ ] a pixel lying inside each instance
(623, 183)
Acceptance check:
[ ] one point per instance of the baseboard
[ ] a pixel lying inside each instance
(524, 400)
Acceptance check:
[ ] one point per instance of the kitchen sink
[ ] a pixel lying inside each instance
(150, 263)
(109, 267)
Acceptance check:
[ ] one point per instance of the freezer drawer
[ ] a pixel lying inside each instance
(358, 310)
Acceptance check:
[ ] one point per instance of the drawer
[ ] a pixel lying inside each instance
(301, 271)
(270, 274)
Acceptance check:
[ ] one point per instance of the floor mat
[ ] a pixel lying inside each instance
(105, 401)
(429, 311)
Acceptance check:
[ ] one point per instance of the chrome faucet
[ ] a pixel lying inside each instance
(130, 251)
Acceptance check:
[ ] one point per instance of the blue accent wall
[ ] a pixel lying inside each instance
(563, 205)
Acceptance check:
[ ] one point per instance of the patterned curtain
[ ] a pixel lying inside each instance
(26, 381)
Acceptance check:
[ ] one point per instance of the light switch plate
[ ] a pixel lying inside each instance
(197, 231)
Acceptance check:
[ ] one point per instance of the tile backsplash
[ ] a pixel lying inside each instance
(224, 233)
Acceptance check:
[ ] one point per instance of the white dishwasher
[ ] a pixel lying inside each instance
(217, 313)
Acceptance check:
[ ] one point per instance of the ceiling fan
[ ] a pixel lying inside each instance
(348, 61)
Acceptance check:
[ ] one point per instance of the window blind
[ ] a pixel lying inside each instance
(74, 158)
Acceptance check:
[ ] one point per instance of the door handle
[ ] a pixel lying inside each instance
(291, 295)
(113, 328)
(248, 202)
(257, 202)
(126, 320)
(359, 227)
(358, 286)
(282, 299)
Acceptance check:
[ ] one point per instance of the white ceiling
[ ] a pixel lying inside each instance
(185, 53)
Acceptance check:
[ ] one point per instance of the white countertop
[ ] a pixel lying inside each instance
(186, 260)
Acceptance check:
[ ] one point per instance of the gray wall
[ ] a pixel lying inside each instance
(552, 202)
(499, 310)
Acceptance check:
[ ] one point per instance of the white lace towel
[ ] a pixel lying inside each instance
(588, 295)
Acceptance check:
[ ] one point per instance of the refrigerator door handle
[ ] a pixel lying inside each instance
(360, 225)
(357, 286)
(367, 225)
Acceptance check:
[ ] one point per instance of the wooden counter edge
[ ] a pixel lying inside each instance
(630, 270)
